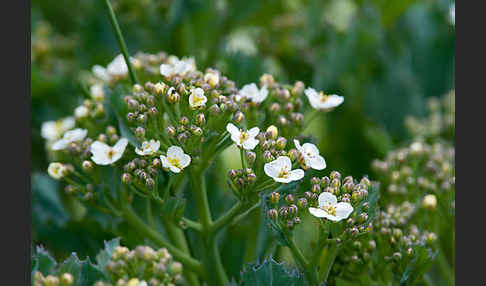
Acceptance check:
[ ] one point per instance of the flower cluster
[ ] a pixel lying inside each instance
(142, 266)
(440, 123)
(64, 279)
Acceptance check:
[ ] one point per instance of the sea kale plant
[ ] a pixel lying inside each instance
(152, 127)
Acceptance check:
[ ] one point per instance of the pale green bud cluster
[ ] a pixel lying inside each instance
(64, 279)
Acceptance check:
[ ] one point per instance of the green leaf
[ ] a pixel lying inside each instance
(42, 261)
(104, 256)
(119, 109)
(270, 273)
(84, 272)
(418, 266)
(46, 203)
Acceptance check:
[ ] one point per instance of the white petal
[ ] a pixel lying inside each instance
(232, 129)
(139, 152)
(296, 174)
(326, 198)
(60, 144)
(343, 210)
(272, 169)
(121, 145)
(310, 149)
(98, 147)
(175, 151)
(253, 131)
(174, 169)
(297, 145)
(283, 180)
(185, 160)
(250, 144)
(317, 163)
(166, 70)
(165, 161)
(284, 162)
(317, 212)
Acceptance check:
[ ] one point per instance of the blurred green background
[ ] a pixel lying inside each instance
(385, 57)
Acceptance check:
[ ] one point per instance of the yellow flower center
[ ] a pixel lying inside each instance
(197, 100)
(174, 161)
(243, 136)
(330, 209)
(284, 173)
(323, 97)
(110, 153)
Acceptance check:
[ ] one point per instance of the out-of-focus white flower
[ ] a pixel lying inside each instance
(242, 41)
(281, 170)
(311, 155)
(174, 66)
(118, 67)
(329, 208)
(97, 92)
(245, 139)
(104, 154)
(56, 170)
(142, 283)
(148, 148)
(323, 101)
(176, 159)
(252, 93)
(429, 202)
(340, 13)
(197, 98)
(452, 14)
(81, 111)
(53, 130)
(212, 78)
(101, 73)
(417, 147)
(74, 135)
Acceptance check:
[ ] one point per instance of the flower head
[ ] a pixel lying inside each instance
(245, 139)
(148, 148)
(323, 101)
(56, 170)
(52, 130)
(212, 78)
(97, 92)
(311, 156)
(177, 67)
(101, 73)
(252, 93)
(104, 154)
(176, 159)
(281, 170)
(329, 208)
(197, 98)
(118, 67)
(81, 111)
(74, 135)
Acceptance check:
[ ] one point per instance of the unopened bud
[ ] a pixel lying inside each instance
(87, 166)
(250, 157)
(200, 119)
(214, 110)
(267, 156)
(293, 154)
(429, 202)
(281, 143)
(126, 178)
(274, 198)
(272, 214)
(66, 279)
(140, 132)
(171, 131)
(239, 116)
(272, 132)
(302, 203)
(289, 199)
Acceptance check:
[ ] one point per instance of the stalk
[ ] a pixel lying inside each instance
(121, 41)
(213, 259)
(327, 260)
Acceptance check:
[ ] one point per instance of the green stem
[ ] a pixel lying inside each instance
(445, 269)
(301, 260)
(121, 41)
(242, 156)
(192, 224)
(227, 217)
(214, 264)
(178, 237)
(134, 220)
(327, 260)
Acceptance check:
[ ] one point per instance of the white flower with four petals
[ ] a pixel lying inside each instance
(53, 130)
(329, 208)
(252, 93)
(148, 148)
(176, 159)
(56, 170)
(321, 101)
(197, 98)
(311, 155)
(69, 137)
(245, 139)
(281, 170)
(103, 154)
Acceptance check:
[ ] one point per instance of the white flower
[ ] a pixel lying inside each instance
(118, 67)
(97, 92)
(281, 170)
(197, 98)
(52, 130)
(429, 201)
(212, 78)
(101, 73)
(252, 93)
(142, 283)
(175, 66)
(176, 159)
(104, 154)
(56, 170)
(323, 101)
(148, 148)
(81, 111)
(245, 139)
(74, 135)
(311, 155)
(329, 208)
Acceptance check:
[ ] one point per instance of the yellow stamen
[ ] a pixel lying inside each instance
(110, 153)
(197, 100)
(323, 97)
(243, 136)
(284, 173)
(174, 161)
(330, 209)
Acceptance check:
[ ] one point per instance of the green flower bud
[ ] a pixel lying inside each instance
(267, 156)
(214, 110)
(325, 181)
(272, 214)
(282, 121)
(289, 199)
(302, 203)
(335, 175)
(239, 116)
(274, 198)
(66, 279)
(281, 143)
(274, 108)
(175, 268)
(272, 132)
(293, 154)
(142, 118)
(87, 166)
(131, 117)
(200, 119)
(153, 111)
(184, 120)
(126, 178)
(250, 157)
(142, 108)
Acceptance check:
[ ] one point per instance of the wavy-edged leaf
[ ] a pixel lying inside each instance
(42, 261)
(270, 273)
(104, 256)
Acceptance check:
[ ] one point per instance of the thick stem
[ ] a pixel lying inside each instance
(178, 238)
(327, 260)
(135, 221)
(227, 217)
(121, 41)
(445, 269)
(214, 264)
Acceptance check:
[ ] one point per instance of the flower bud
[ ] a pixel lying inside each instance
(293, 210)
(274, 107)
(302, 203)
(51, 280)
(142, 108)
(293, 154)
(281, 143)
(184, 120)
(140, 132)
(283, 212)
(214, 110)
(289, 199)
(156, 163)
(250, 157)
(282, 121)
(175, 268)
(365, 181)
(159, 88)
(362, 218)
(316, 189)
(272, 214)
(171, 131)
(200, 119)
(87, 166)
(251, 178)
(131, 117)
(67, 279)
(182, 137)
(297, 220)
(272, 132)
(239, 116)
(298, 88)
(335, 175)
(126, 178)
(274, 198)
(290, 224)
(232, 174)
(267, 156)
(142, 118)
(196, 130)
